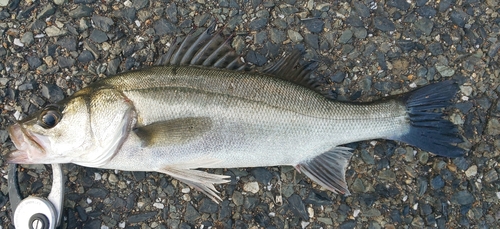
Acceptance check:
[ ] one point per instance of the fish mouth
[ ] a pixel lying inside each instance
(28, 146)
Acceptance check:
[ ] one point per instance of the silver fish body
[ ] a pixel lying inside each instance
(241, 120)
(177, 118)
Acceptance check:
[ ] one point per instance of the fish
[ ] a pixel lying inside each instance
(202, 107)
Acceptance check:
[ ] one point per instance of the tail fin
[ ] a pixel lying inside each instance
(429, 131)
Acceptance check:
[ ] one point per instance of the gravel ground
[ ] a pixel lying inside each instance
(365, 50)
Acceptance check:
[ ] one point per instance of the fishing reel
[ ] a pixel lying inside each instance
(36, 212)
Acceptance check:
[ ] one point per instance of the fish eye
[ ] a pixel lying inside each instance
(49, 117)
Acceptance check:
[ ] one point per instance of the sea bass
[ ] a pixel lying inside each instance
(201, 109)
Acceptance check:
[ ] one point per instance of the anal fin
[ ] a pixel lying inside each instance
(202, 181)
(328, 169)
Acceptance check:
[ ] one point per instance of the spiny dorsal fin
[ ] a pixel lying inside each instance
(208, 49)
(288, 69)
(328, 169)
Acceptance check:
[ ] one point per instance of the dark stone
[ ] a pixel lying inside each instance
(3, 200)
(463, 198)
(225, 209)
(399, 4)
(318, 198)
(397, 15)
(139, 4)
(354, 21)
(395, 216)
(437, 182)
(425, 209)
(119, 203)
(141, 217)
(492, 52)
(459, 18)
(84, 1)
(258, 23)
(360, 32)
(102, 23)
(298, 207)
(4, 14)
(81, 11)
(98, 36)
(461, 163)
(52, 92)
(427, 11)
(421, 72)
(348, 224)
(277, 36)
(163, 27)
(250, 202)
(425, 25)
(112, 70)
(262, 219)
(65, 62)
(208, 206)
(46, 11)
(191, 215)
(128, 13)
(85, 56)
(171, 12)
(361, 8)
(82, 214)
(33, 62)
(312, 40)
(68, 42)
(131, 200)
(383, 24)
(130, 63)
(406, 45)
(96, 223)
(14, 4)
(262, 175)
(444, 5)
(436, 48)
(255, 58)
(420, 3)
(314, 25)
(97, 193)
(338, 77)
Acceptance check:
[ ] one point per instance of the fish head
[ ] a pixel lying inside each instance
(83, 129)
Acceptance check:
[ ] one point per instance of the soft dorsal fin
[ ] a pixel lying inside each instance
(288, 69)
(208, 49)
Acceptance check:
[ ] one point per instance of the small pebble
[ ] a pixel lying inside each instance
(252, 187)
(471, 171)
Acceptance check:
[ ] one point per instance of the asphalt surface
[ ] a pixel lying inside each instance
(365, 50)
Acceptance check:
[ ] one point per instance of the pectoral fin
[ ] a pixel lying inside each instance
(172, 132)
(328, 169)
(202, 181)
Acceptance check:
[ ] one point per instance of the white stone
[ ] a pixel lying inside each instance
(158, 205)
(4, 2)
(471, 171)
(97, 176)
(356, 212)
(252, 187)
(18, 42)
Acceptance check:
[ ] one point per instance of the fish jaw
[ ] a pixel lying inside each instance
(30, 147)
